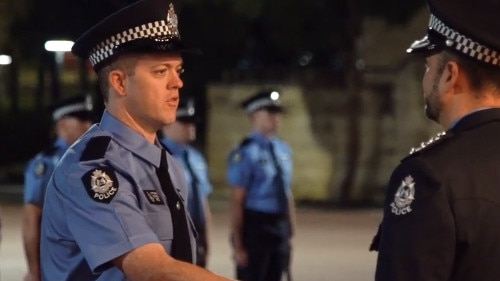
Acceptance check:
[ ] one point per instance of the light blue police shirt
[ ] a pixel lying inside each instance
(199, 167)
(250, 166)
(97, 210)
(39, 170)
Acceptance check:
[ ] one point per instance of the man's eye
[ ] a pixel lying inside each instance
(180, 71)
(161, 71)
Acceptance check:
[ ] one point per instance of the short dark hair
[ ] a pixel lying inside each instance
(125, 63)
(480, 75)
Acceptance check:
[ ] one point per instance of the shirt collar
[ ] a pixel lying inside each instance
(61, 143)
(454, 123)
(130, 139)
(261, 139)
(175, 148)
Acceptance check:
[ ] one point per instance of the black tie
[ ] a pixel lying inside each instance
(197, 213)
(278, 180)
(181, 245)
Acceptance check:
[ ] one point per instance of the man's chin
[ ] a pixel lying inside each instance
(430, 115)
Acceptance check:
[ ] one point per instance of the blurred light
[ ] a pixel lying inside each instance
(58, 45)
(360, 64)
(5, 60)
(275, 95)
(305, 58)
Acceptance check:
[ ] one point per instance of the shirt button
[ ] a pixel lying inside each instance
(178, 205)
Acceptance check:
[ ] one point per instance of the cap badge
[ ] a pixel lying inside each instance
(404, 197)
(172, 21)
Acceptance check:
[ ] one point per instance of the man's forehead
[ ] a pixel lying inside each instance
(160, 58)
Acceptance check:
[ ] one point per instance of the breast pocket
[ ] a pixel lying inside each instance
(161, 224)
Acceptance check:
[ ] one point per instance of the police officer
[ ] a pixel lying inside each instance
(176, 138)
(259, 175)
(442, 205)
(71, 118)
(115, 206)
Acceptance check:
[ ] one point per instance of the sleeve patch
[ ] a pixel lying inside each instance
(403, 197)
(40, 169)
(101, 184)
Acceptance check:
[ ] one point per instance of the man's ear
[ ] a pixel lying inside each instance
(451, 77)
(116, 80)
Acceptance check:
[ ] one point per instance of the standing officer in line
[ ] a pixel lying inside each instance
(176, 138)
(71, 117)
(115, 206)
(442, 207)
(262, 208)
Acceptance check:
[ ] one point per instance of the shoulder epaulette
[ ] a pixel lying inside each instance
(96, 148)
(166, 149)
(440, 137)
(246, 141)
(51, 150)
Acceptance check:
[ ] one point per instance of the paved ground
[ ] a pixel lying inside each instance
(330, 245)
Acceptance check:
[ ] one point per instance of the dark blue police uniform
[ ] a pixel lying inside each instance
(263, 166)
(104, 200)
(442, 203)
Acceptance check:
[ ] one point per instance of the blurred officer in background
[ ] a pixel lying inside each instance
(259, 174)
(442, 207)
(114, 207)
(176, 138)
(71, 118)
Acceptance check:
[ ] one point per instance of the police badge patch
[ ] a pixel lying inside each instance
(39, 169)
(404, 197)
(101, 184)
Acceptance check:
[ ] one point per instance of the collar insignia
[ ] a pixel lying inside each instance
(404, 197)
(425, 144)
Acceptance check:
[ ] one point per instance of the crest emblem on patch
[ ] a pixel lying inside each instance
(404, 197)
(101, 184)
(236, 157)
(39, 169)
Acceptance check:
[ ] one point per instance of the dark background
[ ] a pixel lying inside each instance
(241, 40)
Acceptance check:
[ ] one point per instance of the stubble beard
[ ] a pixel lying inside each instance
(433, 105)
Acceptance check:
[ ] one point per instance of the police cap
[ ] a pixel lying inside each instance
(144, 26)
(186, 110)
(469, 28)
(267, 99)
(79, 106)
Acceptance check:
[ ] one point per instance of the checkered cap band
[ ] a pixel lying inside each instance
(157, 29)
(464, 44)
(260, 104)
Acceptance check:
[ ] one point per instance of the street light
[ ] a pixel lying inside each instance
(59, 47)
(5, 59)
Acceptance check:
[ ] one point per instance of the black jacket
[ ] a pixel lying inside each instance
(442, 209)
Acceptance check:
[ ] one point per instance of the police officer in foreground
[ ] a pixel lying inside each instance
(262, 208)
(71, 117)
(115, 206)
(442, 207)
(176, 137)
